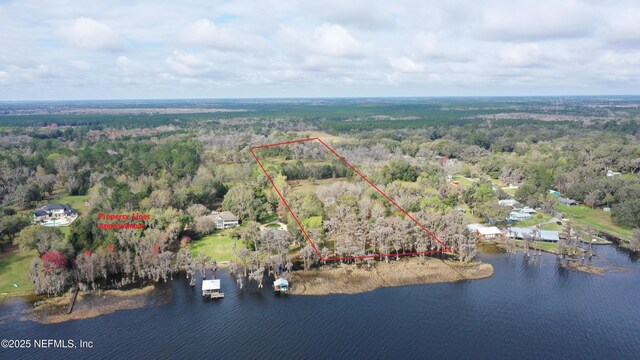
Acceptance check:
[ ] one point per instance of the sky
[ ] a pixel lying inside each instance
(57, 50)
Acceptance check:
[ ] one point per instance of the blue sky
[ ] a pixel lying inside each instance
(315, 48)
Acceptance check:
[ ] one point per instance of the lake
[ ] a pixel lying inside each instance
(528, 310)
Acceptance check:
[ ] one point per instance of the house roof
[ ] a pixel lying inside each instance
(52, 207)
(211, 284)
(225, 215)
(474, 227)
(516, 214)
(547, 235)
(507, 202)
(281, 282)
(40, 212)
(563, 200)
(491, 230)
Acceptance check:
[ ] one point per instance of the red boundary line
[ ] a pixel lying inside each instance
(365, 179)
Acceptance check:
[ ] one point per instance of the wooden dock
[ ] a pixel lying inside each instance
(211, 288)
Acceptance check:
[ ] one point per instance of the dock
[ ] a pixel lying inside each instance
(211, 289)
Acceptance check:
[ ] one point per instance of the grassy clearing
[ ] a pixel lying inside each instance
(326, 137)
(544, 246)
(537, 219)
(219, 246)
(76, 201)
(14, 268)
(552, 226)
(312, 222)
(464, 181)
(311, 187)
(597, 218)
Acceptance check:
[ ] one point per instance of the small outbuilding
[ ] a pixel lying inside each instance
(281, 285)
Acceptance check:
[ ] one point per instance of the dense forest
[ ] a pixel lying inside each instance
(179, 167)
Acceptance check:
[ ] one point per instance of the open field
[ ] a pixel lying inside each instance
(597, 218)
(14, 268)
(76, 201)
(308, 186)
(464, 181)
(537, 219)
(219, 246)
(324, 136)
(552, 226)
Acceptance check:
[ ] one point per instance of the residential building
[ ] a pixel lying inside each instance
(509, 202)
(567, 201)
(225, 219)
(484, 232)
(518, 216)
(554, 192)
(53, 211)
(544, 235)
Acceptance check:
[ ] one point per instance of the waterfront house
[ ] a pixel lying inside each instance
(225, 219)
(488, 232)
(544, 235)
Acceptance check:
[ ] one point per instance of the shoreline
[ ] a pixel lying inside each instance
(89, 305)
(412, 271)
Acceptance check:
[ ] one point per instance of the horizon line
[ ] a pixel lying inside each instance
(322, 98)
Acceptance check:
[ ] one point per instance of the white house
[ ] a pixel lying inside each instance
(508, 202)
(484, 232)
(518, 216)
(53, 212)
(225, 219)
(613, 173)
(488, 232)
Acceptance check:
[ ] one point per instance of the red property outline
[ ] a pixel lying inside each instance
(365, 179)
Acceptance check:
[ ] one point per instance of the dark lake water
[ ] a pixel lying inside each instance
(527, 310)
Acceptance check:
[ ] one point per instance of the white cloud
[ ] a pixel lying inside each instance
(537, 20)
(406, 65)
(188, 64)
(125, 63)
(334, 40)
(80, 65)
(90, 34)
(221, 37)
(316, 47)
(624, 27)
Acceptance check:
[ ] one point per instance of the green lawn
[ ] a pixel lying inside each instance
(308, 186)
(14, 268)
(552, 226)
(597, 218)
(219, 246)
(312, 222)
(544, 246)
(464, 182)
(537, 219)
(76, 201)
